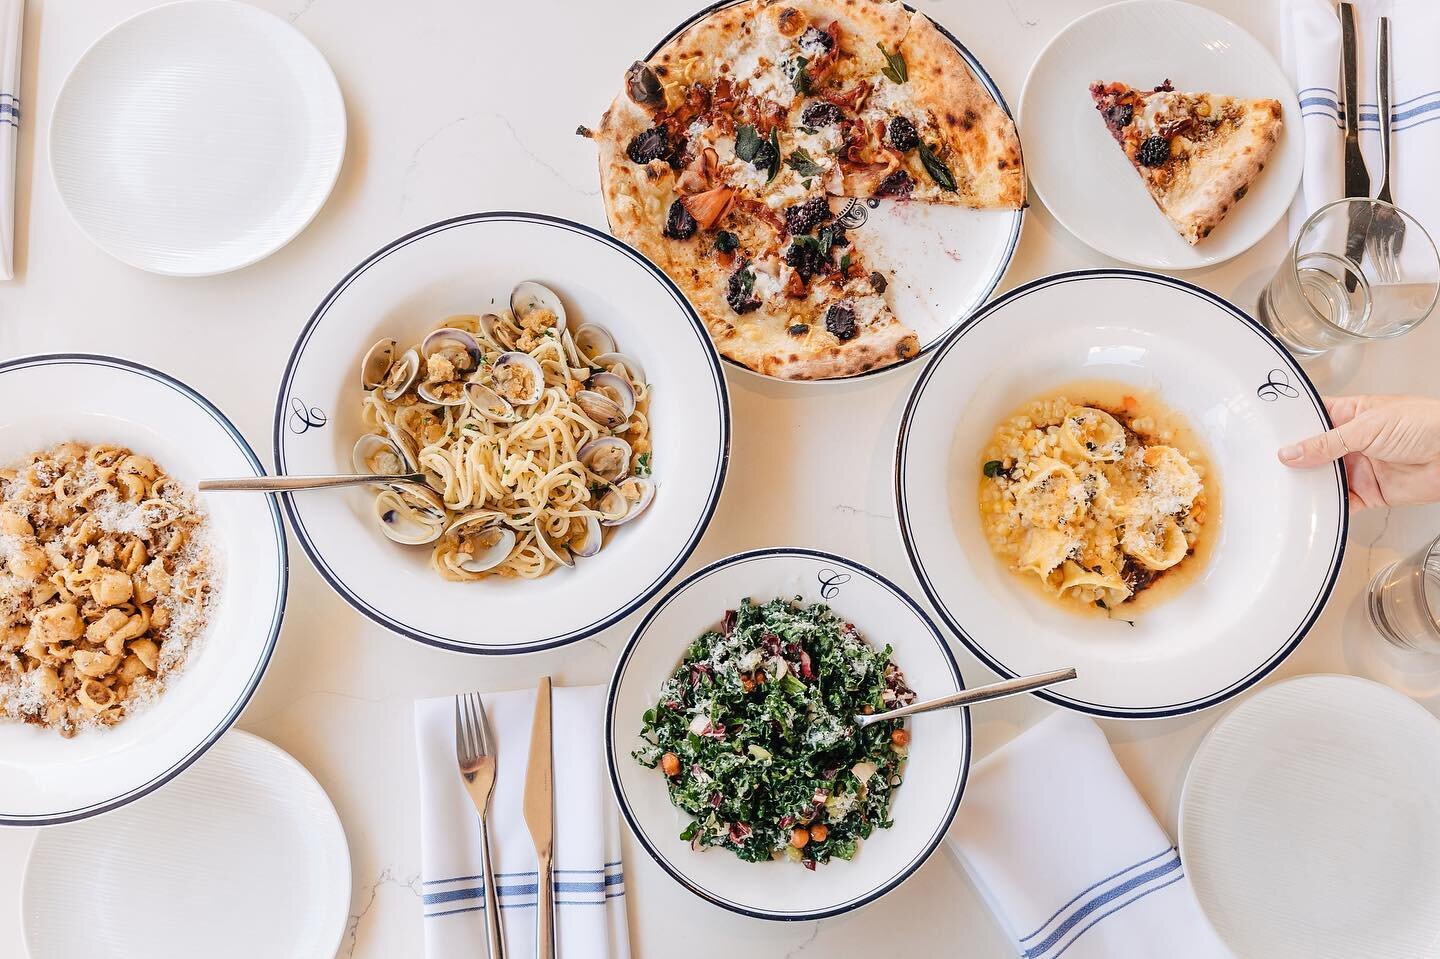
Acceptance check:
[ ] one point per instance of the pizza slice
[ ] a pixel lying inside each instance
(1198, 153)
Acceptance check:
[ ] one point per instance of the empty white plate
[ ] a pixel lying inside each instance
(1082, 175)
(242, 856)
(197, 137)
(1310, 823)
(1280, 538)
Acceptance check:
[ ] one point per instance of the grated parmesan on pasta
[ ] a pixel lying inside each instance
(1094, 500)
(107, 578)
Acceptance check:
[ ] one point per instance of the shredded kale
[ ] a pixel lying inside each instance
(754, 733)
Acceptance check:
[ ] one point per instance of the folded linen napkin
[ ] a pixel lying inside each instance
(1310, 38)
(589, 877)
(1068, 856)
(12, 18)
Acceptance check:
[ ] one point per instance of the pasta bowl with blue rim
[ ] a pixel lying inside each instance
(45, 779)
(1273, 553)
(469, 265)
(932, 778)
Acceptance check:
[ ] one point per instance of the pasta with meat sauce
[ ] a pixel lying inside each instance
(1098, 500)
(106, 579)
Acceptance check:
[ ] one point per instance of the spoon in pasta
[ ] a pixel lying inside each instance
(292, 484)
(968, 697)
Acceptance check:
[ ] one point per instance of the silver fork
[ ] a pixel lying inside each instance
(1387, 226)
(475, 751)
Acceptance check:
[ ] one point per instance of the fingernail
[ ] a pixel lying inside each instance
(1289, 454)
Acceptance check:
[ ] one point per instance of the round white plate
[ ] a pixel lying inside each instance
(943, 261)
(197, 137)
(1310, 823)
(248, 827)
(468, 265)
(935, 771)
(45, 779)
(1281, 535)
(1082, 175)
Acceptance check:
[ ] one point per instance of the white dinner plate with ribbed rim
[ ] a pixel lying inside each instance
(45, 779)
(197, 137)
(935, 771)
(1310, 822)
(942, 262)
(242, 856)
(1084, 178)
(469, 264)
(1275, 555)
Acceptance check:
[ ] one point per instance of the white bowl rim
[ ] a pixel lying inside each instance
(579, 633)
(301, 223)
(277, 616)
(902, 515)
(1012, 243)
(611, 760)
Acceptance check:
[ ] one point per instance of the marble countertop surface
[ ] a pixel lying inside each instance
(455, 107)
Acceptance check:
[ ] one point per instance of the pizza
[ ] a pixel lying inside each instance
(726, 156)
(1198, 153)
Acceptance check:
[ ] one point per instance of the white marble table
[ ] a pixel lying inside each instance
(460, 106)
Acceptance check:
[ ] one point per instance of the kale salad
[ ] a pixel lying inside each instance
(755, 736)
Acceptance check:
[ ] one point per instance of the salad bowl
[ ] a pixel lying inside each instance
(932, 778)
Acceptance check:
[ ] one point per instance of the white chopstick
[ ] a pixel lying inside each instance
(12, 19)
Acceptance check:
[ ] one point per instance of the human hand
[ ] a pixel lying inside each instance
(1390, 444)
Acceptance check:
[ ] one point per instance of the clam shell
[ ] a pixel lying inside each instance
(593, 340)
(608, 457)
(617, 388)
(453, 395)
(558, 552)
(513, 385)
(633, 368)
(601, 408)
(488, 404)
(378, 454)
(401, 375)
(408, 517)
(530, 295)
(494, 541)
(376, 363)
(625, 500)
(447, 336)
(590, 541)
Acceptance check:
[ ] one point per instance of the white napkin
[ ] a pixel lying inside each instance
(1310, 37)
(1068, 856)
(589, 878)
(12, 18)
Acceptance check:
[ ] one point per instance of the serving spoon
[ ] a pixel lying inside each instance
(967, 697)
(292, 484)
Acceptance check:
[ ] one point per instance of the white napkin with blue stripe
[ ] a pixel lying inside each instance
(1069, 857)
(12, 18)
(1310, 37)
(589, 876)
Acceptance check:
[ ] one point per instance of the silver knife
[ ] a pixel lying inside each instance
(1357, 177)
(540, 817)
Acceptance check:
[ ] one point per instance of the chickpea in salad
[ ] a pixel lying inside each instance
(755, 736)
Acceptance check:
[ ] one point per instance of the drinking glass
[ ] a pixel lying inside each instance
(1359, 270)
(1405, 601)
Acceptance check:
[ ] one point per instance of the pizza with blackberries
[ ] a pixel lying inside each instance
(727, 154)
(1198, 153)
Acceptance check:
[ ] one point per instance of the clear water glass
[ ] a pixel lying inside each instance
(1323, 297)
(1405, 601)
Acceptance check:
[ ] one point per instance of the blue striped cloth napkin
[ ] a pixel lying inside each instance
(589, 876)
(1310, 40)
(1069, 857)
(12, 18)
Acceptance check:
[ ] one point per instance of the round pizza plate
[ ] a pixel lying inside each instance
(943, 262)
(1086, 181)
